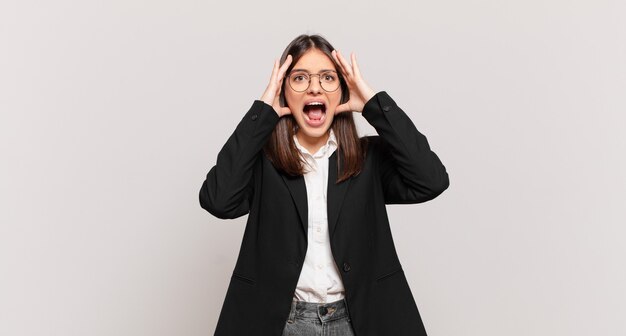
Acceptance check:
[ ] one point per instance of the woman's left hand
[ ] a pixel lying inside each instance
(360, 92)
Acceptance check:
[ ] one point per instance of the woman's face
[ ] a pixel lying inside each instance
(311, 122)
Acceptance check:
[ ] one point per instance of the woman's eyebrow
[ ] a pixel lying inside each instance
(310, 71)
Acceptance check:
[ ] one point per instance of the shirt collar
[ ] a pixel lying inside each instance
(326, 150)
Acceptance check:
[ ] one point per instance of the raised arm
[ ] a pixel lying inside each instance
(410, 171)
(227, 191)
(228, 187)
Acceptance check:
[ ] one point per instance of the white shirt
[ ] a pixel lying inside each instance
(319, 280)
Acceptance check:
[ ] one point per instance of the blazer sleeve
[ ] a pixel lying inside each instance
(410, 171)
(228, 188)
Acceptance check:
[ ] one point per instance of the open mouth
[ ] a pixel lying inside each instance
(315, 112)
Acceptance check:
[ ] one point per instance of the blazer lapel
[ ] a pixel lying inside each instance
(297, 188)
(334, 195)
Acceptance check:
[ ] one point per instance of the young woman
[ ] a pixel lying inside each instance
(317, 255)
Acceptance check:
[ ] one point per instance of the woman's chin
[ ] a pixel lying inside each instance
(314, 132)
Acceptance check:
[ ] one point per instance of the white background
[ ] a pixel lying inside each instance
(112, 113)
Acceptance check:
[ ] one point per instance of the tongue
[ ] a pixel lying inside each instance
(315, 112)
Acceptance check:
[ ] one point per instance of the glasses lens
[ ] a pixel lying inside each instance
(299, 81)
(329, 80)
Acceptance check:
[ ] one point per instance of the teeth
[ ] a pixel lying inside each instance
(315, 103)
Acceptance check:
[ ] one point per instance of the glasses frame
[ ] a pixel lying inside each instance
(319, 78)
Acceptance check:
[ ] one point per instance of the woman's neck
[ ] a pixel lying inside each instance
(312, 144)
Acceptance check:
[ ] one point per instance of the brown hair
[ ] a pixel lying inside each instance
(281, 149)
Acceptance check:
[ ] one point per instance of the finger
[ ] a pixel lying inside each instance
(345, 64)
(279, 87)
(275, 68)
(341, 68)
(285, 110)
(281, 73)
(341, 65)
(342, 108)
(355, 66)
(334, 53)
(274, 73)
(285, 65)
(276, 104)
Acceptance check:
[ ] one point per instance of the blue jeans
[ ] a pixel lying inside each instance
(318, 319)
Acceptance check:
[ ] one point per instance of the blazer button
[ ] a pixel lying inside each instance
(254, 116)
(386, 108)
(346, 267)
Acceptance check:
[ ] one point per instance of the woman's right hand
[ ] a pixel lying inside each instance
(271, 96)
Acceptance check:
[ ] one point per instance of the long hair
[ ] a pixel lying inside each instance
(281, 149)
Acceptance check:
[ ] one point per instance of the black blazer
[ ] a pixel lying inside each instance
(399, 168)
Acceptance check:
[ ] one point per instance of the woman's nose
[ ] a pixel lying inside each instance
(315, 86)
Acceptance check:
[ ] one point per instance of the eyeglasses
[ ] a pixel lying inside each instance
(300, 81)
